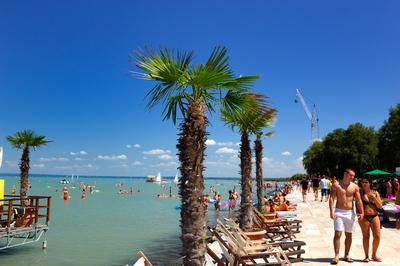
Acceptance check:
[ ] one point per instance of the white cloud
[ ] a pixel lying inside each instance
(156, 152)
(229, 144)
(281, 168)
(76, 166)
(165, 157)
(210, 142)
(78, 153)
(286, 153)
(135, 163)
(167, 165)
(79, 159)
(226, 150)
(38, 165)
(222, 164)
(133, 146)
(54, 159)
(112, 157)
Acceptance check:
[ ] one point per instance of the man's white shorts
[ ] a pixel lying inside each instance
(345, 220)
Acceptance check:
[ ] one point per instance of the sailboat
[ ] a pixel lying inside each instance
(158, 178)
(176, 179)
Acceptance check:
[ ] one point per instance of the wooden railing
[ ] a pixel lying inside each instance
(37, 209)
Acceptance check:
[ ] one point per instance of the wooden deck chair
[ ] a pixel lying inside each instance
(242, 237)
(212, 258)
(292, 248)
(233, 258)
(252, 252)
(142, 261)
(277, 229)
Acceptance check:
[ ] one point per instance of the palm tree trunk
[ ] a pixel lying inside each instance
(259, 174)
(24, 167)
(246, 203)
(191, 149)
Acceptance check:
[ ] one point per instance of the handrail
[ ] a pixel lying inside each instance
(35, 204)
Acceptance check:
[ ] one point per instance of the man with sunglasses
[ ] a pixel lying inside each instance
(345, 192)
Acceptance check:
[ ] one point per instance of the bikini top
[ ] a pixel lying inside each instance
(365, 200)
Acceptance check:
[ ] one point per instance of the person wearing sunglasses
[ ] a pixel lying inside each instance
(372, 203)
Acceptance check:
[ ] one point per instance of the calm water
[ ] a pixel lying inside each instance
(107, 228)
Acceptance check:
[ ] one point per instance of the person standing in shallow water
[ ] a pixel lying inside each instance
(65, 193)
(345, 192)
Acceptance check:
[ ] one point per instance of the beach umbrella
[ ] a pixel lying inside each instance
(377, 172)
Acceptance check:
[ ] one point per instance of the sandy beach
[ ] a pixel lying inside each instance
(318, 233)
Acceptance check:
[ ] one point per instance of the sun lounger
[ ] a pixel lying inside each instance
(142, 261)
(278, 228)
(238, 253)
(292, 248)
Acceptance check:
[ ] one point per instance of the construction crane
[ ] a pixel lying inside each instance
(311, 115)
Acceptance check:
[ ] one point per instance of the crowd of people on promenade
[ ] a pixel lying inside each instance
(349, 202)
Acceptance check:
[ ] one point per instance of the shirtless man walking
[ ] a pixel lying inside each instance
(345, 192)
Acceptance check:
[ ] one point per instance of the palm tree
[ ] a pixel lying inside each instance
(191, 90)
(258, 148)
(248, 121)
(25, 140)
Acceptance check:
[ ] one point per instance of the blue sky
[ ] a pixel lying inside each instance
(64, 74)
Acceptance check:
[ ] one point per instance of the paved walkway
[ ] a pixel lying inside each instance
(317, 232)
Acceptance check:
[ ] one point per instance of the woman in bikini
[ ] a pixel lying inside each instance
(371, 202)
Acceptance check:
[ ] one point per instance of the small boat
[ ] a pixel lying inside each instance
(176, 179)
(64, 181)
(151, 178)
(142, 261)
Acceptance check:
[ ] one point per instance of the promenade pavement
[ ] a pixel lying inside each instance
(317, 232)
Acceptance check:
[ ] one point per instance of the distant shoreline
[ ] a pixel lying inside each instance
(120, 177)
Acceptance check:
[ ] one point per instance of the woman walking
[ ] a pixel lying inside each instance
(371, 203)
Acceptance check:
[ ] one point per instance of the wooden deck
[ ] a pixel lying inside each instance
(22, 224)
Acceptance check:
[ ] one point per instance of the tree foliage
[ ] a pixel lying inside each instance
(354, 147)
(389, 141)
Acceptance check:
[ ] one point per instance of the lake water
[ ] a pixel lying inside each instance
(107, 228)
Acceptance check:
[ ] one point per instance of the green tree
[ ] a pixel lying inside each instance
(354, 147)
(389, 141)
(248, 121)
(191, 90)
(26, 140)
(313, 158)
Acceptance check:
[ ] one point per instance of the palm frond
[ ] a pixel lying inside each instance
(169, 69)
(173, 104)
(250, 114)
(27, 138)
